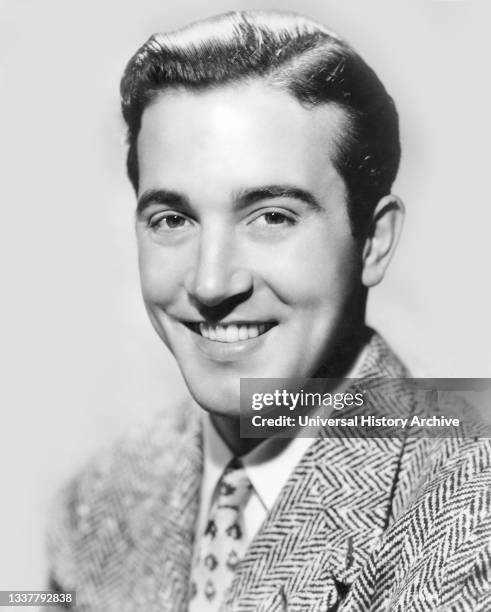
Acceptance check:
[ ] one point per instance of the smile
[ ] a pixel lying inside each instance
(232, 332)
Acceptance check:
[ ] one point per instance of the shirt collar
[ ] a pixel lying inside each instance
(267, 466)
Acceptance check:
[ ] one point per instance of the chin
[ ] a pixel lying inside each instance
(216, 397)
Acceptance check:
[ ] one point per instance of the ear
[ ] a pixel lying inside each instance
(382, 239)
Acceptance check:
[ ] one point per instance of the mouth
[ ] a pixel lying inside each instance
(230, 332)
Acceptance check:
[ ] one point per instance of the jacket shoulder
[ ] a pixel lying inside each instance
(101, 505)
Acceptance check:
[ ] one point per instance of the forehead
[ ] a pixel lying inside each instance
(242, 133)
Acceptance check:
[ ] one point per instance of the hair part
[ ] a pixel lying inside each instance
(295, 54)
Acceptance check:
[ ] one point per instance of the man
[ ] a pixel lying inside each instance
(262, 150)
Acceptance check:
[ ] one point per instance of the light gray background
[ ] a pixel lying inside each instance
(80, 362)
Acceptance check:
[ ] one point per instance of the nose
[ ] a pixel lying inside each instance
(216, 275)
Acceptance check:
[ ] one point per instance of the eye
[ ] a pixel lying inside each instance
(273, 219)
(276, 218)
(168, 222)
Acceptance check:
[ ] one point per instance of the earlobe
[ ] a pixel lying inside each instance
(382, 239)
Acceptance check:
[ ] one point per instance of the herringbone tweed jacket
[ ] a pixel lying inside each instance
(361, 525)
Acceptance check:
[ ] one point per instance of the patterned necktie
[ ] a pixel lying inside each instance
(222, 544)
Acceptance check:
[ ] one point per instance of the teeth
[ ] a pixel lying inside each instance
(220, 333)
(253, 331)
(232, 332)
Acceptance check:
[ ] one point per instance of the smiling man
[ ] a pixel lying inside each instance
(248, 261)
(262, 150)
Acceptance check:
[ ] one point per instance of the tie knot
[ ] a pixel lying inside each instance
(234, 486)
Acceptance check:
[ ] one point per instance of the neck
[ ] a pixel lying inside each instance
(339, 362)
(229, 429)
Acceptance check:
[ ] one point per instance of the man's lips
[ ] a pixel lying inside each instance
(230, 332)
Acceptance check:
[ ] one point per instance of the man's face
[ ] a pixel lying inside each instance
(248, 265)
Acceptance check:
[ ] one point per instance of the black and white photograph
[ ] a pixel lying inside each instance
(246, 297)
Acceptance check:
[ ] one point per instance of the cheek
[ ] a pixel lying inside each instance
(317, 272)
(161, 274)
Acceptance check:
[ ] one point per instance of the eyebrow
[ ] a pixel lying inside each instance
(162, 196)
(247, 197)
(242, 198)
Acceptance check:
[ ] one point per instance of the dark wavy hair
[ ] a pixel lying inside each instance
(289, 51)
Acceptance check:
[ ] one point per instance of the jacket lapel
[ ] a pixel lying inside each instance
(167, 535)
(329, 517)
